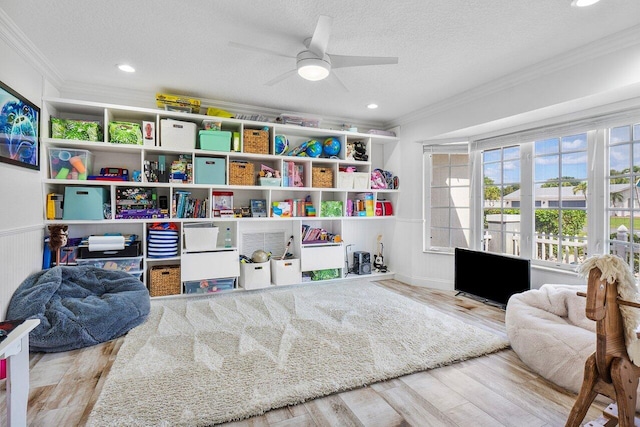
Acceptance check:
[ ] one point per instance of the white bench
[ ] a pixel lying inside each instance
(15, 348)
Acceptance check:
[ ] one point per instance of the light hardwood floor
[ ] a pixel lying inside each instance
(493, 390)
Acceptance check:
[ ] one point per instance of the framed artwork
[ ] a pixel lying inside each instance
(19, 129)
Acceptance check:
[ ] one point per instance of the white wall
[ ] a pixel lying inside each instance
(21, 209)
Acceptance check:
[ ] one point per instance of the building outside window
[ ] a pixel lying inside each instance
(623, 180)
(501, 216)
(560, 198)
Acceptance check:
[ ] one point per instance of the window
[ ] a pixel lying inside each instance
(555, 194)
(501, 200)
(623, 181)
(560, 195)
(447, 201)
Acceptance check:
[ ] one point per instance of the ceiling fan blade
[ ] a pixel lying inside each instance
(342, 61)
(281, 77)
(333, 78)
(320, 38)
(259, 49)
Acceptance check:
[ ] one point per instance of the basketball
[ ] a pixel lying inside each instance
(331, 146)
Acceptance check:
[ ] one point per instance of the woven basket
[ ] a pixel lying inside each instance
(255, 141)
(165, 280)
(241, 173)
(321, 177)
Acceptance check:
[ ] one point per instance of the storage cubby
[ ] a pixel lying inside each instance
(313, 186)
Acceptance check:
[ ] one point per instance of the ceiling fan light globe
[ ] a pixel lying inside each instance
(313, 69)
(583, 3)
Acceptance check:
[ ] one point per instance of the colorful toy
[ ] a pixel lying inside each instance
(299, 150)
(314, 148)
(377, 179)
(282, 144)
(62, 173)
(331, 146)
(76, 162)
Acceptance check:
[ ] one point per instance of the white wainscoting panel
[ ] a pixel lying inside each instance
(20, 256)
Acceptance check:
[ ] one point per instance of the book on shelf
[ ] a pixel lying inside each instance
(317, 235)
(185, 206)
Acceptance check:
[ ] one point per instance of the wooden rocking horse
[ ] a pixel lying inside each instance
(609, 371)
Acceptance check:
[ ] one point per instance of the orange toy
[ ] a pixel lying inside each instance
(76, 161)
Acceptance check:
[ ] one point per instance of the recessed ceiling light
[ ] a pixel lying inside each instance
(126, 68)
(372, 106)
(583, 3)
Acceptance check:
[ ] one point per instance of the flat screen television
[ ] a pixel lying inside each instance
(490, 277)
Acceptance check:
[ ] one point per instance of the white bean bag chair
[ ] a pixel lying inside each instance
(551, 334)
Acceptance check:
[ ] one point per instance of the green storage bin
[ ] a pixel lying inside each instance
(215, 140)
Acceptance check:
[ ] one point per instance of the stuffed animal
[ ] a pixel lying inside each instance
(360, 151)
(58, 238)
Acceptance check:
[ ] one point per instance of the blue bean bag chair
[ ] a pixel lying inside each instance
(79, 306)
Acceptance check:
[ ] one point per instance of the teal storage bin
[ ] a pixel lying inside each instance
(85, 203)
(215, 140)
(210, 170)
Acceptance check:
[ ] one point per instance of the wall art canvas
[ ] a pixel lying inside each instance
(19, 129)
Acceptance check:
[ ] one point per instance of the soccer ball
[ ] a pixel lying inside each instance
(314, 148)
(331, 146)
(282, 144)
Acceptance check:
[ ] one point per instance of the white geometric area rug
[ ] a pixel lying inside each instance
(206, 360)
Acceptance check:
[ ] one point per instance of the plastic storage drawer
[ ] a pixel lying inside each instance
(131, 264)
(67, 163)
(207, 286)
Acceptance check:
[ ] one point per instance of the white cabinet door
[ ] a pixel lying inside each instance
(321, 257)
(210, 265)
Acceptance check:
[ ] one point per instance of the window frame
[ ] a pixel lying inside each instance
(456, 148)
(597, 128)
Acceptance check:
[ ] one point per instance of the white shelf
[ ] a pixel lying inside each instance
(132, 157)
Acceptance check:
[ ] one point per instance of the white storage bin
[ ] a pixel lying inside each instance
(345, 180)
(361, 180)
(178, 134)
(200, 237)
(255, 275)
(209, 265)
(286, 271)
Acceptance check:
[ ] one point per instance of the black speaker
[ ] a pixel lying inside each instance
(361, 262)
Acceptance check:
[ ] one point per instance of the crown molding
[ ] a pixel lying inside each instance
(618, 41)
(21, 44)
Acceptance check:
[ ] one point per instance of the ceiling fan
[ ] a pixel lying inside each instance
(314, 62)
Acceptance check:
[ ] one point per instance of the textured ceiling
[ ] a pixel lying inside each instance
(445, 47)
